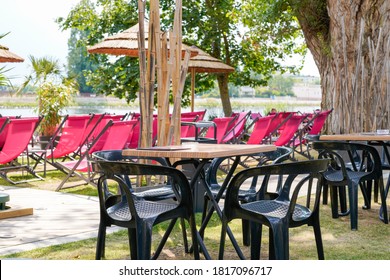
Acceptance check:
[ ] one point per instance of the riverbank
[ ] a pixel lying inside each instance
(25, 105)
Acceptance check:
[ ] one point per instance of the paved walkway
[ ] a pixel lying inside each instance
(57, 218)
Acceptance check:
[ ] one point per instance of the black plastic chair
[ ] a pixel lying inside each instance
(139, 215)
(350, 174)
(281, 213)
(385, 159)
(279, 155)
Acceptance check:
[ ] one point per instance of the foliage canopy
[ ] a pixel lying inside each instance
(253, 36)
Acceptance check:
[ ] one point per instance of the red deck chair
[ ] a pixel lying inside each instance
(132, 142)
(188, 130)
(291, 127)
(277, 122)
(98, 122)
(235, 133)
(18, 136)
(90, 132)
(71, 137)
(222, 125)
(260, 130)
(113, 136)
(310, 132)
(199, 115)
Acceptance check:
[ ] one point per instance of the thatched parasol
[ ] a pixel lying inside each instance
(126, 43)
(205, 63)
(7, 56)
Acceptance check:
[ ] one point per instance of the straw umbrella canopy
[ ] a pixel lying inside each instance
(126, 43)
(205, 63)
(7, 56)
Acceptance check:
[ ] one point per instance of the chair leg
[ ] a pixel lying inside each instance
(376, 192)
(280, 242)
(223, 239)
(353, 205)
(164, 239)
(255, 243)
(271, 245)
(334, 202)
(100, 242)
(318, 238)
(245, 232)
(325, 194)
(144, 240)
(194, 237)
(185, 240)
(133, 243)
(204, 212)
(383, 215)
(343, 201)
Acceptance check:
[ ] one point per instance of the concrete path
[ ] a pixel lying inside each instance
(57, 218)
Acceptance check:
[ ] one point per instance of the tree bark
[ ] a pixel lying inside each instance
(223, 81)
(351, 50)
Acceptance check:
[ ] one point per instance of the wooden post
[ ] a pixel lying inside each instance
(142, 65)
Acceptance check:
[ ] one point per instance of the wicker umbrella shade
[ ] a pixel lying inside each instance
(7, 56)
(126, 43)
(205, 63)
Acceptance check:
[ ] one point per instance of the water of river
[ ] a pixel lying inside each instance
(29, 112)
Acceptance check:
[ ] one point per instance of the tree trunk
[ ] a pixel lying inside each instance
(352, 53)
(224, 92)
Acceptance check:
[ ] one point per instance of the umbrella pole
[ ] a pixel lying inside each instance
(192, 89)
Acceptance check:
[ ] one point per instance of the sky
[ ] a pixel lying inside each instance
(33, 31)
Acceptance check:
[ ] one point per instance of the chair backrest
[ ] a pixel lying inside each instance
(368, 159)
(235, 133)
(288, 172)
(71, 136)
(277, 156)
(290, 128)
(117, 170)
(319, 121)
(222, 126)
(115, 137)
(19, 134)
(260, 130)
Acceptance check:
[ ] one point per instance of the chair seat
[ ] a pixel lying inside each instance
(337, 176)
(242, 194)
(276, 209)
(160, 193)
(145, 209)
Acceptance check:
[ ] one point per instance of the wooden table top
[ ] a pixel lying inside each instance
(366, 136)
(199, 150)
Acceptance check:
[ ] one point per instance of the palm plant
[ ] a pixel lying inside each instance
(4, 81)
(54, 92)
